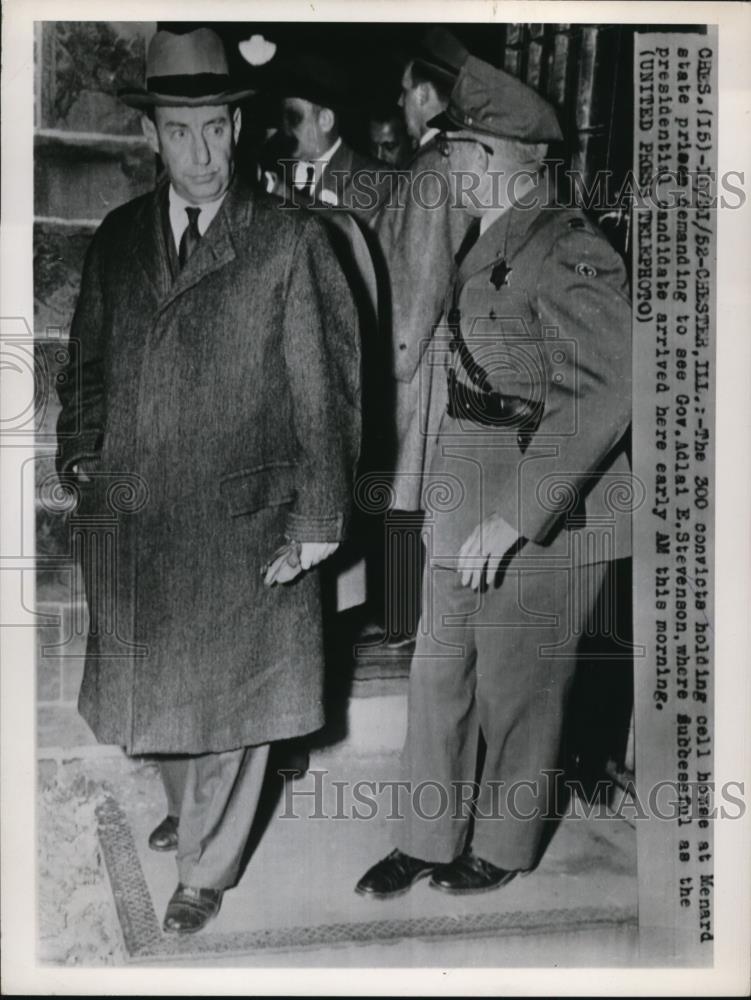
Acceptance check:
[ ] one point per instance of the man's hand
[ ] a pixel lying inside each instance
(295, 557)
(483, 551)
(84, 468)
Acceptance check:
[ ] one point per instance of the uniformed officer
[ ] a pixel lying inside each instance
(527, 501)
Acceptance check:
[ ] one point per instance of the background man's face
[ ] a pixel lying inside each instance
(302, 128)
(409, 102)
(197, 147)
(389, 141)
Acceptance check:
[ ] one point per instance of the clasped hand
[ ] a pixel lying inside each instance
(484, 550)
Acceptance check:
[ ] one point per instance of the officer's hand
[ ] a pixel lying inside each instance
(483, 551)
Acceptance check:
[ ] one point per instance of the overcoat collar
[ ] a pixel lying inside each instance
(216, 249)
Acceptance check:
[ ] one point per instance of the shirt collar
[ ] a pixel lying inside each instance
(178, 217)
(324, 159)
(318, 165)
(428, 135)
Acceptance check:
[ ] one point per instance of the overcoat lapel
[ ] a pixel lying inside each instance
(149, 243)
(337, 169)
(217, 246)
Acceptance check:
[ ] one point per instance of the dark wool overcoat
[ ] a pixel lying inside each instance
(223, 406)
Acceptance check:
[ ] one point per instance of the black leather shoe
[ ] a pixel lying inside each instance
(164, 836)
(467, 874)
(393, 876)
(190, 909)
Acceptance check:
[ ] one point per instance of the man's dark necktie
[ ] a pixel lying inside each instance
(191, 236)
(307, 187)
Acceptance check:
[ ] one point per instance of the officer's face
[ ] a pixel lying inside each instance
(389, 141)
(302, 125)
(197, 148)
(487, 175)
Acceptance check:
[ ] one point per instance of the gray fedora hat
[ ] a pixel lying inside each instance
(188, 70)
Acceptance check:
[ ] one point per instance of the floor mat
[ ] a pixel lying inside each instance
(296, 892)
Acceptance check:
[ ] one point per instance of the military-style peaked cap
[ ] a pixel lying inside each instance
(486, 99)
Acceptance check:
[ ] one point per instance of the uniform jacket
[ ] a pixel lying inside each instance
(544, 308)
(224, 408)
(419, 233)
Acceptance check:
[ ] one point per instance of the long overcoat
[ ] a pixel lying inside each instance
(223, 406)
(420, 232)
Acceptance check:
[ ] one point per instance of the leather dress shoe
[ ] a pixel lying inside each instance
(164, 836)
(393, 876)
(190, 909)
(468, 874)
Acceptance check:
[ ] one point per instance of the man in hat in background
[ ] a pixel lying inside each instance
(532, 450)
(420, 233)
(215, 375)
(325, 169)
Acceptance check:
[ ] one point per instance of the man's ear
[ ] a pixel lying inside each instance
(237, 120)
(326, 119)
(149, 130)
(424, 93)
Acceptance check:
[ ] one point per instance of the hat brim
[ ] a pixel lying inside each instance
(442, 71)
(142, 99)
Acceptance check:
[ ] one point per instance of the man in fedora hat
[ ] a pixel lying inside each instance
(530, 455)
(323, 169)
(420, 233)
(211, 407)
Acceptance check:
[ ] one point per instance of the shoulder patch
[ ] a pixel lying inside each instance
(586, 270)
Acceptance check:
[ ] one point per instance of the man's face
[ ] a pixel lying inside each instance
(197, 147)
(302, 126)
(412, 105)
(389, 141)
(487, 177)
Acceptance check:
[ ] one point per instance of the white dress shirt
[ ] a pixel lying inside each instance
(178, 217)
(427, 136)
(300, 177)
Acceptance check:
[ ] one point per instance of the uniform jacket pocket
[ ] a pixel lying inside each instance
(254, 489)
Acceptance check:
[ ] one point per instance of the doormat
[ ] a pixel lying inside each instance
(143, 937)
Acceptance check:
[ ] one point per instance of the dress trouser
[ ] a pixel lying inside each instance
(502, 663)
(215, 795)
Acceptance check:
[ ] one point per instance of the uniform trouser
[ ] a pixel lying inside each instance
(500, 663)
(215, 796)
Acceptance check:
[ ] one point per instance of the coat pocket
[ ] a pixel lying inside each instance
(264, 486)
